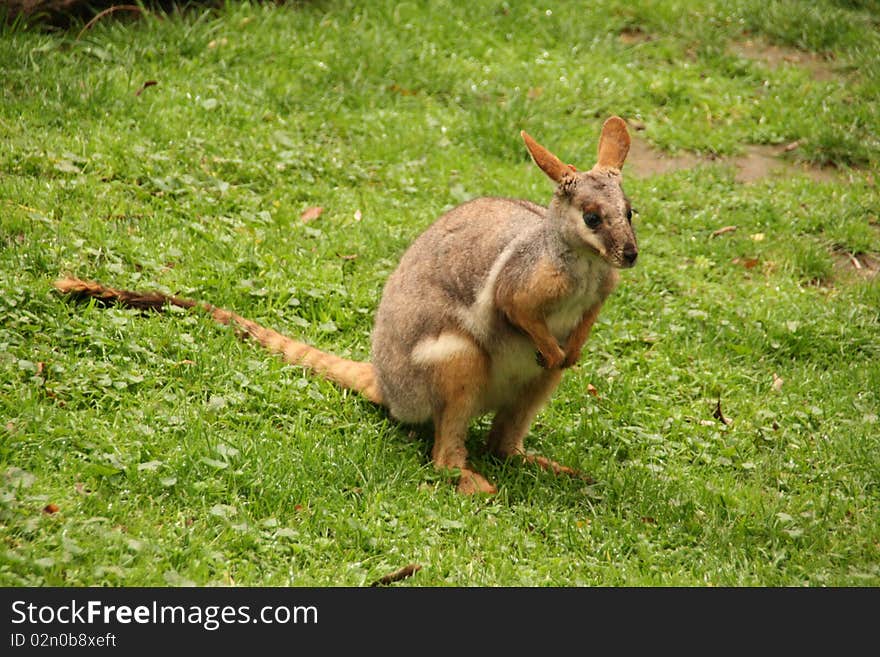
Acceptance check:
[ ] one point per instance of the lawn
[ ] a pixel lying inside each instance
(732, 430)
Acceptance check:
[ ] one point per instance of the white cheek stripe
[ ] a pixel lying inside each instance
(444, 347)
(585, 233)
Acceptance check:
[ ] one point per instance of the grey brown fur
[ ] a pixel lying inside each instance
(485, 309)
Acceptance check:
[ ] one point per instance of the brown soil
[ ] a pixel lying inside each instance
(757, 163)
(775, 56)
(864, 265)
(633, 35)
(761, 161)
(645, 161)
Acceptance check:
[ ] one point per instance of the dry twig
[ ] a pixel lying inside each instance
(397, 575)
(107, 11)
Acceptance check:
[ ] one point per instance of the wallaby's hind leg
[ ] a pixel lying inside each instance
(511, 424)
(459, 383)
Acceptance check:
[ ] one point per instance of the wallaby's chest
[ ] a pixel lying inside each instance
(586, 277)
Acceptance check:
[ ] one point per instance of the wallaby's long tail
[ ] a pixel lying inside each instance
(354, 375)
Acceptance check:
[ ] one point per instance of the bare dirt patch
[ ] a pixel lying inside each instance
(776, 56)
(863, 265)
(644, 161)
(761, 161)
(757, 163)
(632, 35)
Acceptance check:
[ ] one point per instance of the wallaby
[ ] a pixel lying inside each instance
(484, 311)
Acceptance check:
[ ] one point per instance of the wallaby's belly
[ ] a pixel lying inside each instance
(513, 366)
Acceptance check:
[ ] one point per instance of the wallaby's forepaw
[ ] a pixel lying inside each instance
(550, 362)
(471, 483)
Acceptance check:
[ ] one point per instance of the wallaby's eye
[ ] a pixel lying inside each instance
(629, 215)
(592, 219)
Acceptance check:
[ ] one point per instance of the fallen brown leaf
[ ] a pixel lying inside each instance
(148, 83)
(777, 382)
(402, 91)
(534, 93)
(592, 390)
(310, 214)
(51, 508)
(723, 230)
(397, 575)
(351, 256)
(793, 145)
(718, 415)
(748, 263)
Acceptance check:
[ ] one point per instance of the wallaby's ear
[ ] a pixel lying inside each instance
(613, 144)
(549, 163)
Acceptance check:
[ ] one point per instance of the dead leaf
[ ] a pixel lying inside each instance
(718, 415)
(351, 256)
(80, 488)
(793, 145)
(723, 230)
(357, 215)
(51, 508)
(592, 390)
(534, 93)
(401, 90)
(310, 214)
(148, 83)
(757, 237)
(777, 382)
(397, 575)
(649, 520)
(748, 263)
(855, 263)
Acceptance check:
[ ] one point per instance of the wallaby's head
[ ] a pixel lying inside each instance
(590, 208)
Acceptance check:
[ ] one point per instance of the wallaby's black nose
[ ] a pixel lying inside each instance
(630, 254)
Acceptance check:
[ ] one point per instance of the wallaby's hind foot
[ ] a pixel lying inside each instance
(511, 424)
(472, 483)
(458, 381)
(556, 468)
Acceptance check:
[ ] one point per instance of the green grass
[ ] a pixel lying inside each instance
(176, 453)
